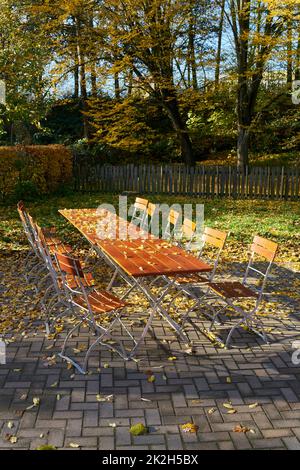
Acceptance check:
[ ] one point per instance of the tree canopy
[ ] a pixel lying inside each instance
(145, 77)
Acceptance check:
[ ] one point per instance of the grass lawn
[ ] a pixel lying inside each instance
(278, 220)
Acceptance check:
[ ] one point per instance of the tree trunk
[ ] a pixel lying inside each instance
(171, 105)
(243, 147)
(117, 86)
(76, 79)
(82, 76)
(192, 68)
(289, 63)
(93, 80)
(130, 82)
(219, 48)
(297, 66)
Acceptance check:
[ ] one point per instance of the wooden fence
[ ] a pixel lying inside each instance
(211, 181)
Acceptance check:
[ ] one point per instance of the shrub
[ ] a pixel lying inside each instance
(34, 170)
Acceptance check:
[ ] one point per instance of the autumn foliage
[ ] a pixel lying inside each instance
(41, 168)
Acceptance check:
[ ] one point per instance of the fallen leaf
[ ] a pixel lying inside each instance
(227, 405)
(172, 358)
(151, 378)
(190, 428)
(240, 428)
(74, 445)
(138, 429)
(46, 447)
(253, 405)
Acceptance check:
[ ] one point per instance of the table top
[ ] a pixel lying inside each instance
(101, 224)
(138, 257)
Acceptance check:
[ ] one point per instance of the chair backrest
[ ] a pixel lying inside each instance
(68, 265)
(213, 240)
(173, 218)
(72, 266)
(139, 211)
(187, 233)
(265, 250)
(27, 223)
(150, 213)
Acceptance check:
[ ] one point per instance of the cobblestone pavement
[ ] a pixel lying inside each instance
(192, 388)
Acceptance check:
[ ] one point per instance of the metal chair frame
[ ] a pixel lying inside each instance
(139, 211)
(68, 265)
(263, 249)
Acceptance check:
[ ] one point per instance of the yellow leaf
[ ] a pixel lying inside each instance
(190, 428)
(253, 405)
(74, 445)
(228, 405)
(151, 379)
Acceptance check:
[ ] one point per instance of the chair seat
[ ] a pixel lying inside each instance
(100, 302)
(55, 245)
(190, 279)
(231, 290)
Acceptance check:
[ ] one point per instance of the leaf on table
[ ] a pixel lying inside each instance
(231, 412)
(229, 380)
(211, 411)
(10, 425)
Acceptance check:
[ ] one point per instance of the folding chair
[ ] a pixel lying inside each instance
(229, 292)
(29, 235)
(92, 309)
(211, 240)
(149, 219)
(139, 211)
(186, 234)
(170, 228)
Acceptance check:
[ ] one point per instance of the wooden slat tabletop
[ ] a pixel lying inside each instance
(91, 221)
(138, 257)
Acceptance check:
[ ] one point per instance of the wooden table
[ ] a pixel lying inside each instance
(138, 260)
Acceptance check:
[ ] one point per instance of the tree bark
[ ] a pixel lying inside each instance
(192, 67)
(289, 62)
(117, 86)
(243, 146)
(171, 105)
(82, 76)
(76, 78)
(219, 48)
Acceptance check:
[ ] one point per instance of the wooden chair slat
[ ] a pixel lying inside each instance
(265, 243)
(212, 232)
(261, 251)
(216, 242)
